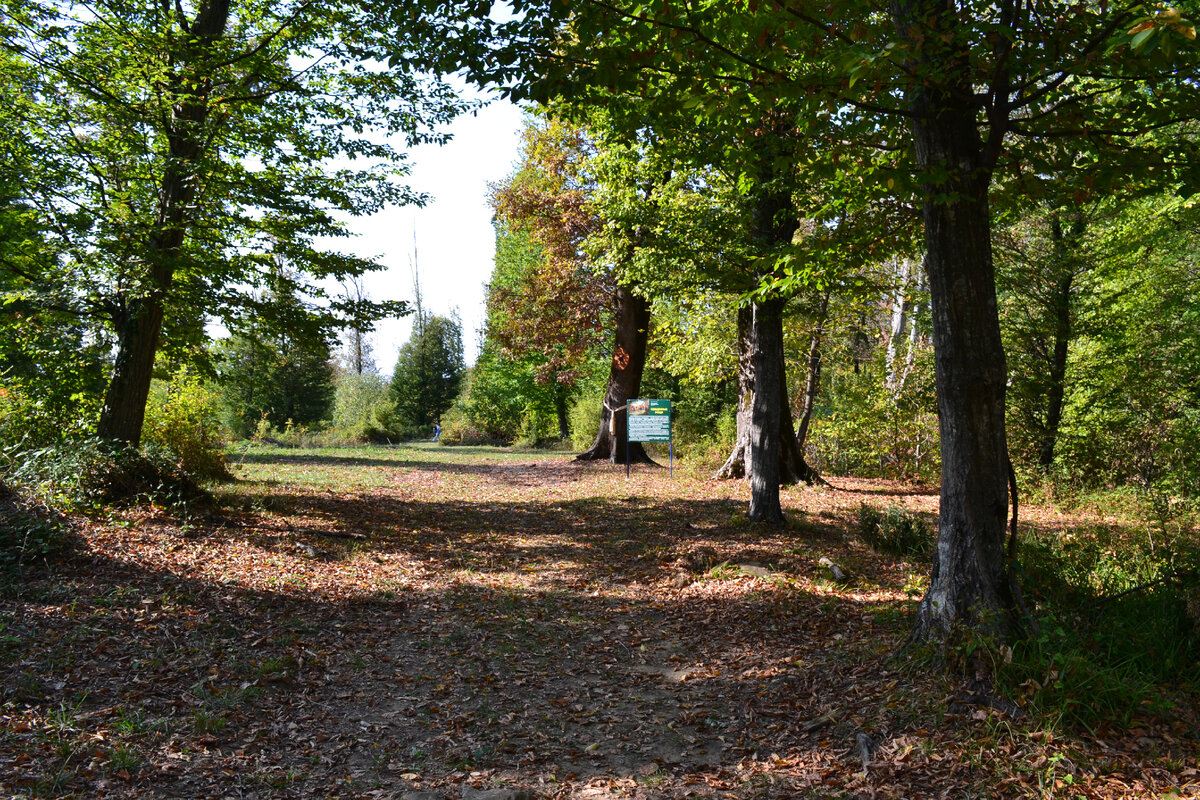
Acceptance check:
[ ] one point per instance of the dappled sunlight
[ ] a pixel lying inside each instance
(526, 623)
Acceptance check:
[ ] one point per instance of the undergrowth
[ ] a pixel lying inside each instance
(90, 473)
(894, 531)
(29, 532)
(1118, 630)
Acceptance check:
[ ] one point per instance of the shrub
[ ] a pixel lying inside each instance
(30, 420)
(363, 410)
(894, 531)
(28, 531)
(584, 418)
(86, 473)
(1117, 630)
(458, 428)
(183, 417)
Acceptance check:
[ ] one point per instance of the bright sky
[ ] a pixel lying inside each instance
(455, 239)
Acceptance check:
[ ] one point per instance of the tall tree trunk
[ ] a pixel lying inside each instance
(1061, 304)
(624, 381)
(735, 464)
(560, 411)
(813, 383)
(901, 304)
(765, 463)
(140, 325)
(765, 451)
(970, 585)
(792, 467)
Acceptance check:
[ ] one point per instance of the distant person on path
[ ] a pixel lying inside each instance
(437, 430)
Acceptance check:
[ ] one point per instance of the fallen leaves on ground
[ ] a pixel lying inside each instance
(550, 628)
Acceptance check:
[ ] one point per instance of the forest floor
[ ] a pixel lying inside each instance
(429, 622)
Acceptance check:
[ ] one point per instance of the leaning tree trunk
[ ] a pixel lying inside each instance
(624, 381)
(971, 586)
(140, 324)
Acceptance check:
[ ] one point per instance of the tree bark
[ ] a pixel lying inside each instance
(624, 381)
(765, 451)
(141, 321)
(735, 464)
(560, 411)
(813, 383)
(753, 342)
(765, 462)
(1061, 307)
(971, 585)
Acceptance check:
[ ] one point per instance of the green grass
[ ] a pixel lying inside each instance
(355, 468)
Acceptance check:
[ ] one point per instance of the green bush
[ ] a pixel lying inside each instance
(88, 473)
(29, 531)
(1118, 628)
(28, 419)
(183, 417)
(894, 531)
(459, 428)
(584, 418)
(864, 428)
(363, 411)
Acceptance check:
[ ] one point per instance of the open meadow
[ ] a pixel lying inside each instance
(434, 622)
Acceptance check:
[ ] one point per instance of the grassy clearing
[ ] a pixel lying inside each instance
(356, 621)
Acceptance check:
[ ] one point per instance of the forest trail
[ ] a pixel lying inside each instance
(392, 626)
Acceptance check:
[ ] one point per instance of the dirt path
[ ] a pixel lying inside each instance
(503, 630)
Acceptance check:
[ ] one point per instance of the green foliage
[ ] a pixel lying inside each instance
(362, 408)
(1119, 627)
(894, 531)
(429, 370)
(29, 532)
(29, 420)
(220, 141)
(500, 394)
(1111, 287)
(864, 427)
(275, 374)
(1132, 412)
(90, 473)
(183, 416)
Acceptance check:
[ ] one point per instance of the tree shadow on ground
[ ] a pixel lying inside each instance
(592, 646)
(284, 693)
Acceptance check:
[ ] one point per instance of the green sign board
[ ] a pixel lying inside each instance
(649, 420)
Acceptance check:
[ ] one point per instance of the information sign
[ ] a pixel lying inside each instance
(649, 420)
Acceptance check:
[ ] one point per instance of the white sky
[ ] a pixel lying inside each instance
(455, 239)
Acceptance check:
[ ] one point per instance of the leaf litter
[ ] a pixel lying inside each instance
(487, 627)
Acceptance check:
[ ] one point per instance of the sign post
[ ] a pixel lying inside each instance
(648, 421)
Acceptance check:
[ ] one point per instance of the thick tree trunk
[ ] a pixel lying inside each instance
(765, 463)
(124, 409)
(970, 585)
(735, 465)
(624, 381)
(753, 342)
(765, 451)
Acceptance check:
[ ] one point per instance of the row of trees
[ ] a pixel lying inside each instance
(163, 161)
(753, 158)
(829, 137)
